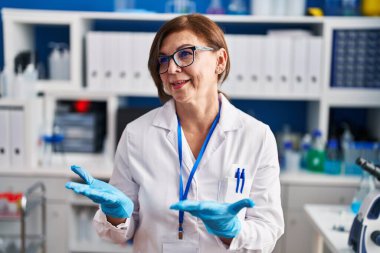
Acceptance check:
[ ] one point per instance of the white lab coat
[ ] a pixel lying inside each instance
(147, 171)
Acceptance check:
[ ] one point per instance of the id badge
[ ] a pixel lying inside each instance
(179, 246)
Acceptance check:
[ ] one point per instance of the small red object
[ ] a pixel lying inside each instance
(82, 106)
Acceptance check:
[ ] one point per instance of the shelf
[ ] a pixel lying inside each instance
(350, 97)
(13, 102)
(97, 248)
(303, 177)
(35, 17)
(56, 85)
(10, 217)
(277, 96)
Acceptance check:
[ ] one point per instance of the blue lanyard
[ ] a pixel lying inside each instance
(183, 195)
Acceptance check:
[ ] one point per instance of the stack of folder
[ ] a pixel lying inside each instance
(284, 62)
(118, 61)
(12, 137)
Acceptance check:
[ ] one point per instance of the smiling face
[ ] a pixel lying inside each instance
(194, 82)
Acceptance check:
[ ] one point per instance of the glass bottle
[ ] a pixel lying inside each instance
(305, 147)
(366, 186)
(333, 162)
(316, 155)
(215, 7)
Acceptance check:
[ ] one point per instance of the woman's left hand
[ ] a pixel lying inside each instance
(220, 219)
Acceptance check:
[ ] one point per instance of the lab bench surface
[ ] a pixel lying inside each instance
(323, 219)
(104, 170)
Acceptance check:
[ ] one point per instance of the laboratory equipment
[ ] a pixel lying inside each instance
(370, 7)
(333, 163)
(32, 198)
(367, 185)
(295, 7)
(26, 75)
(333, 7)
(291, 157)
(350, 7)
(59, 61)
(365, 230)
(51, 140)
(237, 7)
(180, 6)
(261, 7)
(220, 219)
(305, 147)
(215, 7)
(124, 5)
(316, 155)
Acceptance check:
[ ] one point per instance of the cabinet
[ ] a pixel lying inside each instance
(304, 189)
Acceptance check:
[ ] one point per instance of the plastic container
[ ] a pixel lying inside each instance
(237, 7)
(215, 8)
(291, 158)
(55, 65)
(305, 147)
(65, 64)
(350, 7)
(333, 8)
(316, 155)
(261, 7)
(333, 163)
(367, 185)
(59, 61)
(295, 7)
(370, 7)
(350, 154)
(180, 6)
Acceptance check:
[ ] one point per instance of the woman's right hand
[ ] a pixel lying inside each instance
(113, 202)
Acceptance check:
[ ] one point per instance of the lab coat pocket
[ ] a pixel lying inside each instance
(235, 187)
(179, 246)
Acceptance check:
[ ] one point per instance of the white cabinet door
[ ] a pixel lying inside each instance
(298, 195)
(298, 230)
(57, 227)
(298, 233)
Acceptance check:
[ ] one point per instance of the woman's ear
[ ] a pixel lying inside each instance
(221, 61)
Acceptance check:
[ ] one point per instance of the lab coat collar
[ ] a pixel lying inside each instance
(229, 116)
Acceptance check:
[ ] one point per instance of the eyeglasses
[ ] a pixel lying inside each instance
(182, 58)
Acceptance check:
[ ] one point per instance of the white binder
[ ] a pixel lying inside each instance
(254, 62)
(17, 125)
(284, 63)
(5, 155)
(300, 64)
(138, 62)
(126, 61)
(270, 66)
(314, 65)
(94, 60)
(147, 88)
(241, 71)
(229, 84)
(110, 59)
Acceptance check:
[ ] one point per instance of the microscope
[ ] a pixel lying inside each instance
(365, 230)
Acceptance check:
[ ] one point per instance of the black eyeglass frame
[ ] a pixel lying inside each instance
(193, 48)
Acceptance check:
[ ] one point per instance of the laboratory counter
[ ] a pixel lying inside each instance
(104, 172)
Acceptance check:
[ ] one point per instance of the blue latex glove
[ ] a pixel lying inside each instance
(219, 218)
(112, 201)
